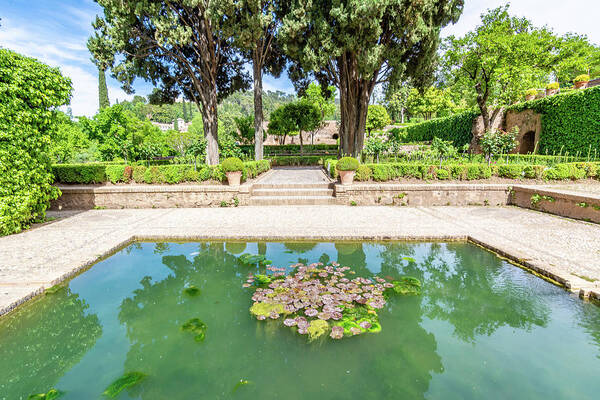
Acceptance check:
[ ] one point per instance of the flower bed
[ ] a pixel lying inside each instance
(318, 300)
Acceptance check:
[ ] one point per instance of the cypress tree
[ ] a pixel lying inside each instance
(185, 113)
(102, 89)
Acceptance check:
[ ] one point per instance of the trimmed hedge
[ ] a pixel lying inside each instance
(273, 150)
(570, 122)
(457, 128)
(469, 171)
(283, 161)
(171, 174)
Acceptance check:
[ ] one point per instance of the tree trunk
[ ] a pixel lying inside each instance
(301, 145)
(210, 123)
(402, 115)
(258, 106)
(482, 98)
(354, 103)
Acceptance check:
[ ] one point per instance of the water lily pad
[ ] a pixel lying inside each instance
(50, 395)
(197, 327)
(191, 291)
(128, 379)
(409, 259)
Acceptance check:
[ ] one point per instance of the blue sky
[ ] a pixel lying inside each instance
(56, 31)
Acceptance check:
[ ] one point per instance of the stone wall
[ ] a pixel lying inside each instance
(559, 202)
(422, 194)
(149, 196)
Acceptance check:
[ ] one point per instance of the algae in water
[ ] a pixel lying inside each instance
(128, 379)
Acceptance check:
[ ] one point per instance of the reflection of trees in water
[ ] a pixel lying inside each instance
(300, 247)
(589, 316)
(352, 254)
(44, 340)
(398, 364)
(469, 288)
(235, 247)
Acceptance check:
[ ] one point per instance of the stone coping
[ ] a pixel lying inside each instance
(564, 251)
(73, 189)
(565, 194)
(421, 186)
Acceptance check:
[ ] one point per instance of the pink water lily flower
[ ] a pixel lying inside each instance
(337, 332)
(289, 322)
(311, 312)
(365, 325)
(355, 331)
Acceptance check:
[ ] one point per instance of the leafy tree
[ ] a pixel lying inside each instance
(375, 145)
(356, 44)
(323, 99)
(68, 141)
(245, 129)
(575, 56)
(444, 149)
(498, 142)
(31, 92)
(254, 24)
(500, 59)
(180, 45)
(103, 56)
(180, 142)
(396, 100)
(377, 118)
(299, 116)
(431, 102)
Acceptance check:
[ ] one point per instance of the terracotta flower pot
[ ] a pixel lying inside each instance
(530, 97)
(581, 85)
(234, 178)
(551, 92)
(347, 177)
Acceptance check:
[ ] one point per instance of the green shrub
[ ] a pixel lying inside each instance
(381, 172)
(138, 173)
(115, 173)
(456, 128)
(363, 173)
(283, 161)
(531, 92)
(552, 86)
(79, 173)
(232, 164)
(582, 78)
(511, 171)
(442, 174)
(347, 164)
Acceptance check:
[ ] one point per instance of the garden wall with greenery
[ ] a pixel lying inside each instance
(171, 174)
(470, 171)
(29, 93)
(570, 122)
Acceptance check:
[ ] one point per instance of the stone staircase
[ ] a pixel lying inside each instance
(287, 194)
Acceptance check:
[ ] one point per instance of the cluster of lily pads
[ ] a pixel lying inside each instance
(319, 299)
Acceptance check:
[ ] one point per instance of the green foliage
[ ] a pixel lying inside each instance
(191, 291)
(52, 394)
(457, 128)
(79, 173)
(253, 259)
(322, 98)
(531, 92)
(582, 78)
(317, 328)
(347, 164)
(553, 86)
(298, 161)
(432, 102)
(29, 94)
(245, 128)
(116, 173)
(377, 118)
(128, 379)
(375, 145)
(232, 164)
(197, 327)
(498, 142)
(443, 148)
(103, 100)
(570, 122)
(69, 142)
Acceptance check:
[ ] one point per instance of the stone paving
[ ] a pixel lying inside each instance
(286, 175)
(566, 250)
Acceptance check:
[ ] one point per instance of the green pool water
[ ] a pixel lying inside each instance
(481, 329)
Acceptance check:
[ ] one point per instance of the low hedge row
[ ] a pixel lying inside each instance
(96, 173)
(273, 150)
(283, 161)
(456, 128)
(470, 171)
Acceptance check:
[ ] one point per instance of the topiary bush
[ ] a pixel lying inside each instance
(232, 164)
(347, 164)
(456, 128)
(79, 173)
(29, 94)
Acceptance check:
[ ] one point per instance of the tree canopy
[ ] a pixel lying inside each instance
(356, 44)
(181, 46)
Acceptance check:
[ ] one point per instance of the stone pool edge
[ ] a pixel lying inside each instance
(575, 284)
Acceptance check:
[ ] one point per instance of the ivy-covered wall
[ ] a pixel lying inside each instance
(29, 93)
(570, 122)
(456, 128)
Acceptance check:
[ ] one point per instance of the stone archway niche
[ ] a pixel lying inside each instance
(530, 126)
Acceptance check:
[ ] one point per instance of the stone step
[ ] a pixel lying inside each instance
(293, 192)
(298, 185)
(291, 200)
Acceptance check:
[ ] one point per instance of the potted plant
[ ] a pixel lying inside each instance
(581, 81)
(531, 94)
(552, 88)
(346, 167)
(233, 168)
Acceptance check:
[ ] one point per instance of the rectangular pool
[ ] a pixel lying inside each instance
(481, 329)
